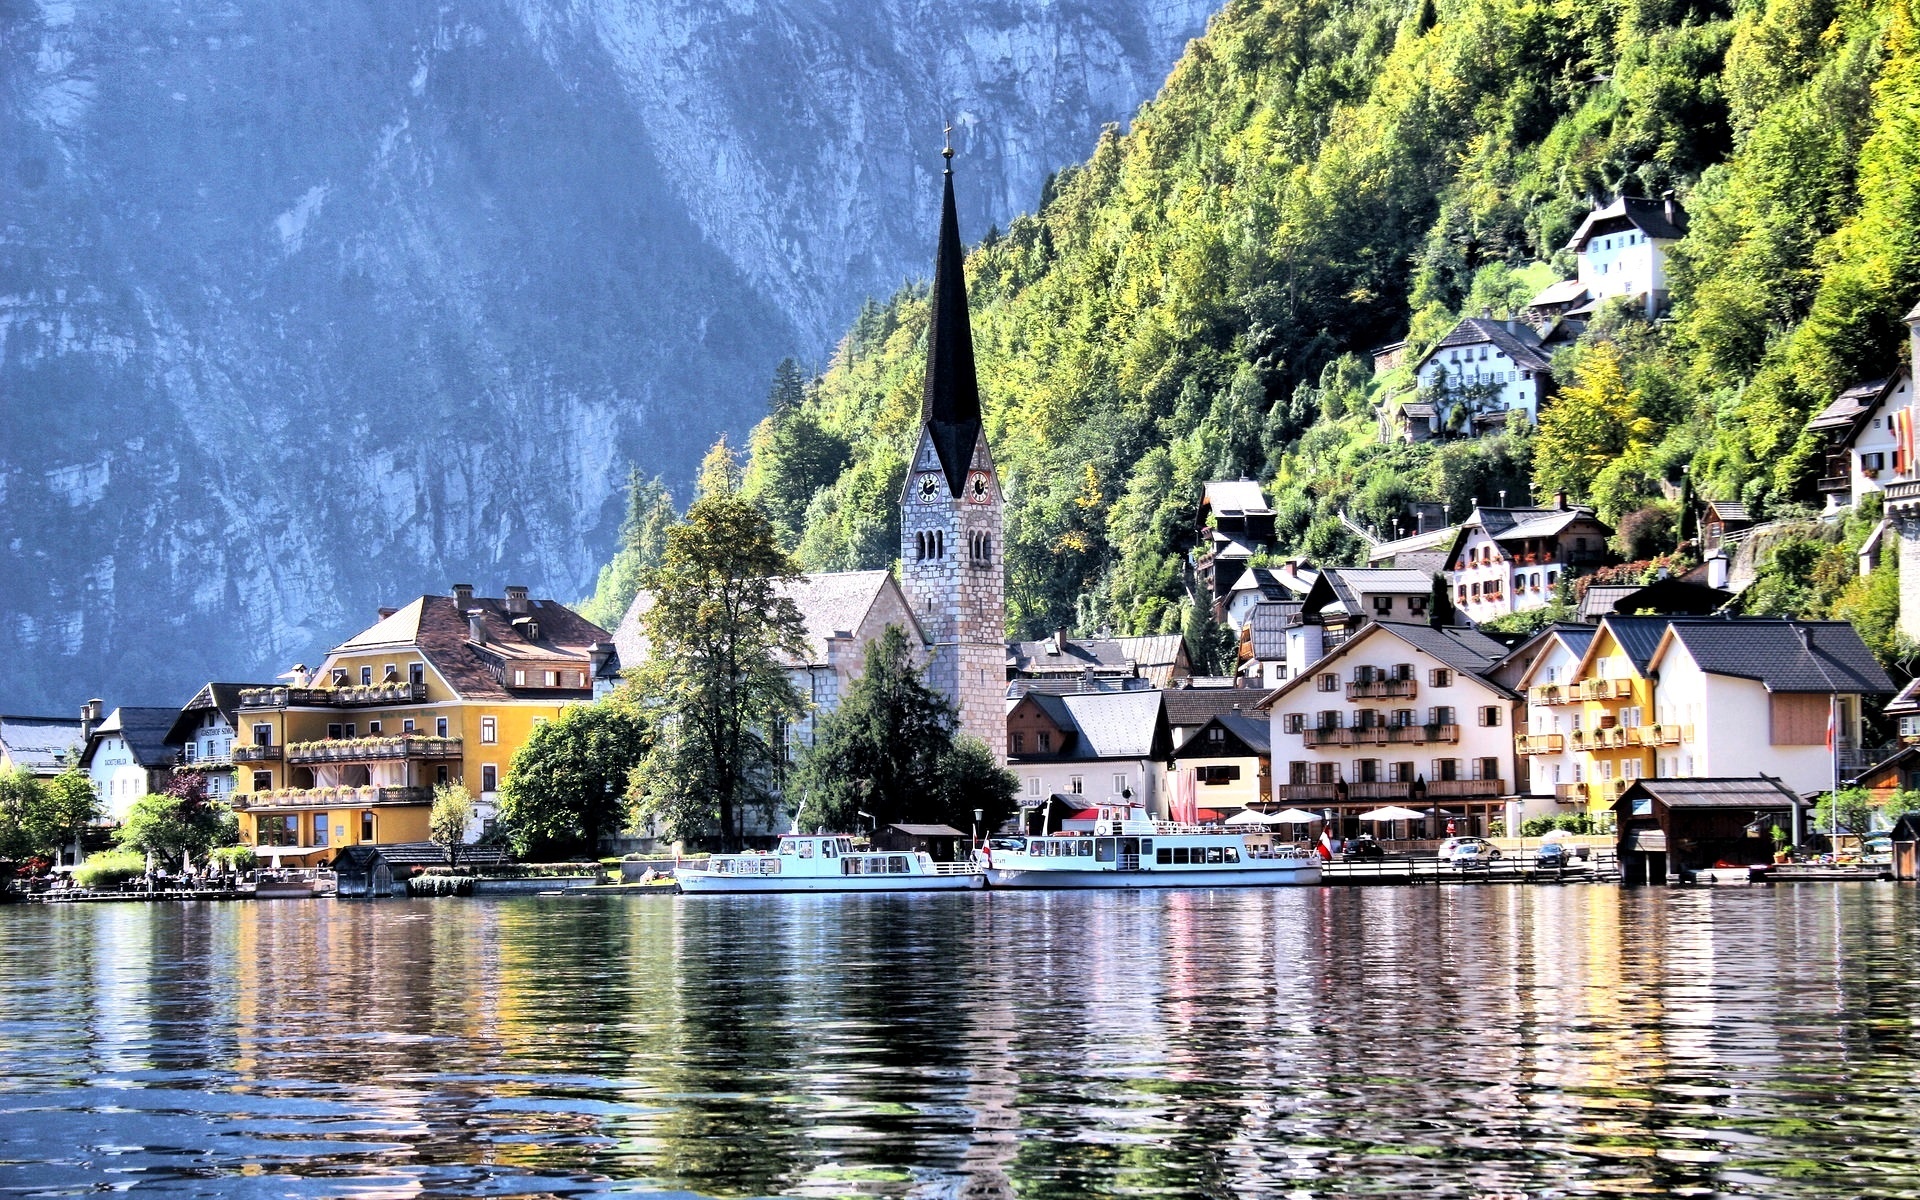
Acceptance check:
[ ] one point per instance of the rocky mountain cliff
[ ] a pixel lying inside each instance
(310, 307)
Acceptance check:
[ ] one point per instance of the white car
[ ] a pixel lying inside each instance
(1475, 848)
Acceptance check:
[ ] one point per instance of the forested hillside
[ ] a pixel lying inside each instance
(1321, 176)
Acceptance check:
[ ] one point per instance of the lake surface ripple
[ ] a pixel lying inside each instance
(1451, 1041)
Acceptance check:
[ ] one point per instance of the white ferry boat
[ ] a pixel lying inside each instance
(828, 864)
(1128, 850)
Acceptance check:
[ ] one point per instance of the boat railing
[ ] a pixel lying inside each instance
(956, 868)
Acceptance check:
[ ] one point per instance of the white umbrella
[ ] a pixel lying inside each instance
(1553, 835)
(1249, 817)
(1392, 813)
(1291, 816)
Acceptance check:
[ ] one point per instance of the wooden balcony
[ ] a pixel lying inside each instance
(1552, 693)
(247, 754)
(1605, 689)
(1904, 494)
(1383, 689)
(1570, 793)
(1540, 743)
(375, 749)
(1382, 735)
(367, 695)
(330, 797)
(1384, 790)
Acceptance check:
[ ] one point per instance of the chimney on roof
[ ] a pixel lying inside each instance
(477, 626)
(1086, 679)
(462, 595)
(1560, 501)
(1667, 203)
(90, 717)
(1486, 313)
(386, 612)
(1513, 326)
(1717, 569)
(517, 600)
(1057, 644)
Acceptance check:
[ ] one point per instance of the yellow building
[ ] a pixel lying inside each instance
(447, 688)
(1609, 700)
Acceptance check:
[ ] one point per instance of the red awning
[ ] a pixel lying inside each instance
(1207, 814)
(1086, 814)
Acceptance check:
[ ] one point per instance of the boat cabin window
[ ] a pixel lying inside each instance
(1103, 850)
(827, 848)
(1083, 849)
(897, 865)
(786, 847)
(806, 849)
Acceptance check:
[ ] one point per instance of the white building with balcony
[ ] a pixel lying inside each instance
(1398, 714)
(1483, 370)
(1622, 249)
(1508, 560)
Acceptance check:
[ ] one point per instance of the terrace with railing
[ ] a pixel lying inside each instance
(375, 749)
(331, 797)
(1380, 735)
(359, 695)
(1382, 689)
(1540, 743)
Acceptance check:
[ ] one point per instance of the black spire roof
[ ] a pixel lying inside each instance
(950, 405)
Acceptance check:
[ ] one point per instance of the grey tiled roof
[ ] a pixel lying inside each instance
(1520, 343)
(1465, 650)
(145, 731)
(1786, 656)
(1639, 637)
(1729, 510)
(1255, 732)
(1236, 497)
(1758, 793)
(1906, 702)
(1565, 292)
(1649, 216)
(1267, 627)
(1601, 597)
(835, 602)
(1115, 724)
(1189, 708)
(40, 744)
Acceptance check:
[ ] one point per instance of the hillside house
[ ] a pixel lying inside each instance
(40, 746)
(1480, 373)
(127, 755)
(1622, 250)
(1289, 581)
(1159, 660)
(1235, 522)
(205, 730)
(1507, 560)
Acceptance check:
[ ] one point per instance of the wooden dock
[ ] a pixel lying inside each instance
(1408, 871)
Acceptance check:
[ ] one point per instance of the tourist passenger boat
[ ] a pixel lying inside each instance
(1128, 850)
(828, 863)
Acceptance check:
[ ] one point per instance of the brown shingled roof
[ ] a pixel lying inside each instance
(438, 627)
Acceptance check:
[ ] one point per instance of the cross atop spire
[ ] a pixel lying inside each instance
(950, 404)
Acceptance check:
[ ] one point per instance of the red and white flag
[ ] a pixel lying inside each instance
(1326, 844)
(1831, 710)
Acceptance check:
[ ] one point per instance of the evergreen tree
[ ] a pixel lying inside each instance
(643, 537)
(889, 751)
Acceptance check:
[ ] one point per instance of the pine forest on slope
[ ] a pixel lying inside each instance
(1319, 177)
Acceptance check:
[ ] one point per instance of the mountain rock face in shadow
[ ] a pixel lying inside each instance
(311, 307)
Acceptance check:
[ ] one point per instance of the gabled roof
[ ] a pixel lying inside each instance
(1235, 498)
(1672, 596)
(1253, 734)
(1276, 583)
(40, 744)
(1431, 540)
(1103, 725)
(1651, 217)
(1761, 793)
(629, 638)
(838, 602)
(223, 697)
(1567, 291)
(1514, 339)
(1913, 317)
(1907, 700)
(144, 730)
(1069, 685)
(1574, 638)
(1728, 510)
(1073, 656)
(1518, 524)
(1637, 637)
(1346, 587)
(1821, 657)
(1188, 708)
(1599, 599)
(438, 627)
(1467, 651)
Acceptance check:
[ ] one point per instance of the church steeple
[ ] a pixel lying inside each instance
(950, 403)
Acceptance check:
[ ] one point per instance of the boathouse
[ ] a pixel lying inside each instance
(1672, 827)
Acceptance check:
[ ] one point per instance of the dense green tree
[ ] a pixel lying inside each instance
(451, 814)
(26, 825)
(714, 691)
(567, 786)
(178, 824)
(889, 751)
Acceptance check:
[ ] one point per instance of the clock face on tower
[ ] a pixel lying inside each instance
(929, 488)
(979, 490)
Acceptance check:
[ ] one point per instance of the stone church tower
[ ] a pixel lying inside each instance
(953, 563)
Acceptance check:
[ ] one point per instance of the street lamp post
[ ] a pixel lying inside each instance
(978, 815)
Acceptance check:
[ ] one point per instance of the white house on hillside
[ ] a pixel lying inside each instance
(1622, 249)
(1507, 560)
(1480, 372)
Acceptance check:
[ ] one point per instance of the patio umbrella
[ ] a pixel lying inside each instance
(1393, 813)
(1248, 817)
(1291, 816)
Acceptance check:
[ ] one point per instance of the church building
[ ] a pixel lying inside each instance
(951, 596)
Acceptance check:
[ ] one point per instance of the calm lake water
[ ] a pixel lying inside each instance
(1452, 1041)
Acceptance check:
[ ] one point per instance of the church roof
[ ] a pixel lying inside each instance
(950, 404)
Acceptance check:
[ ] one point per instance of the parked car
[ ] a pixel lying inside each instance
(1364, 848)
(1554, 855)
(1475, 852)
(1877, 846)
(1451, 848)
